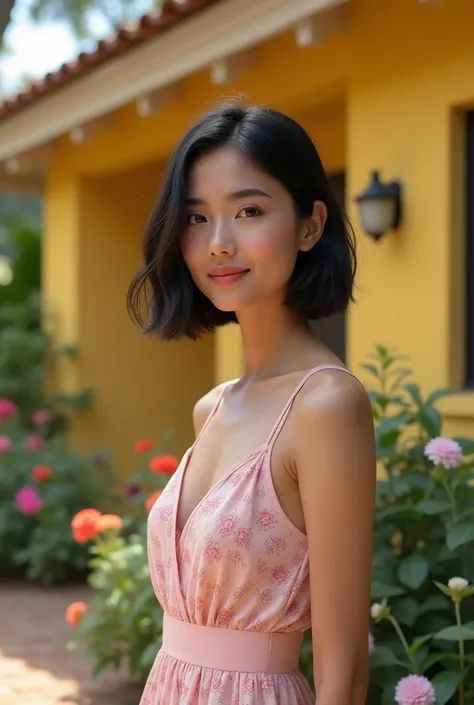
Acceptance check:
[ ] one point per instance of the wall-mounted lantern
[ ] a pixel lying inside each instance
(380, 206)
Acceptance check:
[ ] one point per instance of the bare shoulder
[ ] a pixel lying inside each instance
(332, 393)
(205, 405)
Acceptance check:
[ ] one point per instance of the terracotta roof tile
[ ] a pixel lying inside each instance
(127, 36)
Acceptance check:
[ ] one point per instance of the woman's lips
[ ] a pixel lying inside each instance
(227, 275)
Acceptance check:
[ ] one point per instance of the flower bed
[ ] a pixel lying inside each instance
(42, 485)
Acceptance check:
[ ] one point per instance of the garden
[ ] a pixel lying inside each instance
(54, 529)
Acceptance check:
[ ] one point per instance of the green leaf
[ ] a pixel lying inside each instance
(406, 611)
(382, 656)
(436, 603)
(459, 535)
(431, 420)
(452, 634)
(433, 506)
(413, 571)
(467, 445)
(370, 368)
(439, 394)
(417, 643)
(415, 393)
(445, 685)
(380, 590)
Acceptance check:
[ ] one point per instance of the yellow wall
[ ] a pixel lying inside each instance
(387, 93)
(143, 386)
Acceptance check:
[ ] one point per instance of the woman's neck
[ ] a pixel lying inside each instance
(275, 341)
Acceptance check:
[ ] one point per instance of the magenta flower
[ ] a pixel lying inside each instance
(445, 452)
(34, 442)
(28, 500)
(41, 417)
(5, 444)
(7, 409)
(132, 489)
(415, 690)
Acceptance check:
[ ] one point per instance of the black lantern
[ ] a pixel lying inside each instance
(380, 206)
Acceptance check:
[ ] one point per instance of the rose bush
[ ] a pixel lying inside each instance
(43, 483)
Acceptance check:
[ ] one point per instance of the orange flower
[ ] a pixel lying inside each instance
(144, 445)
(40, 473)
(84, 525)
(109, 522)
(151, 500)
(75, 612)
(166, 464)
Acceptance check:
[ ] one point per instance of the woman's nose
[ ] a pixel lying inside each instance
(221, 243)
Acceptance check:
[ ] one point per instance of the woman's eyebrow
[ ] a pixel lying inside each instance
(242, 193)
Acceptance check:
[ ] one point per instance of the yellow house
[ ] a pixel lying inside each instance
(382, 85)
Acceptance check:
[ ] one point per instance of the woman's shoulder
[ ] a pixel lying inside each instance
(204, 406)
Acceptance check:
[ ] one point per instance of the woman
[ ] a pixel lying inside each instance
(265, 529)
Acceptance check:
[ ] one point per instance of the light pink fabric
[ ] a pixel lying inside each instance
(239, 564)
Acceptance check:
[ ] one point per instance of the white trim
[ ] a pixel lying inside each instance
(223, 29)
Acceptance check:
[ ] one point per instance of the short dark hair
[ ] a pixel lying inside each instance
(323, 278)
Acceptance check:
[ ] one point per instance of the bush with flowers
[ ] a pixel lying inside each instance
(42, 485)
(423, 628)
(123, 623)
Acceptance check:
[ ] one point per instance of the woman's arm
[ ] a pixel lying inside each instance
(336, 470)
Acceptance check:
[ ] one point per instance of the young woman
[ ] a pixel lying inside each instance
(265, 529)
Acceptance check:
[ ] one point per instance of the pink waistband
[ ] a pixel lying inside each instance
(231, 649)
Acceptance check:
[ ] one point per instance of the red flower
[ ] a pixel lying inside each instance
(144, 445)
(75, 612)
(40, 473)
(151, 500)
(165, 464)
(84, 525)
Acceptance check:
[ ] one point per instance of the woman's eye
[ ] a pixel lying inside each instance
(196, 218)
(249, 212)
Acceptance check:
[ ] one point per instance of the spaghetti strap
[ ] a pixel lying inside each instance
(286, 410)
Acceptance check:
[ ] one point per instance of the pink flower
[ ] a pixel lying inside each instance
(267, 686)
(243, 537)
(415, 690)
(445, 452)
(28, 500)
(212, 552)
(5, 444)
(227, 524)
(41, 417)
(279, 574)
(7, 409)
(266, 520)
(34, 442)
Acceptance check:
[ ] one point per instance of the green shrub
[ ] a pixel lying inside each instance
(424, 532)
(35, 534)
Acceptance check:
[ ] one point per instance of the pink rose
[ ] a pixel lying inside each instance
(34, 442)
(7, 409)
(41, 417)
(28, 500)
(5, 444)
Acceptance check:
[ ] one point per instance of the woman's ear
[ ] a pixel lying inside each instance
(312, 229)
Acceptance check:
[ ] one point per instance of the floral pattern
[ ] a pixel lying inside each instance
(237, 564)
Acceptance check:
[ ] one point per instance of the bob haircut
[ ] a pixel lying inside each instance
(323, 278)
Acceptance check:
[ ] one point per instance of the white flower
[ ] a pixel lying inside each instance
(376, 610)
(458, 583)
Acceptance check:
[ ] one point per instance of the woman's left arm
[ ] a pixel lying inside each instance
(336, 469)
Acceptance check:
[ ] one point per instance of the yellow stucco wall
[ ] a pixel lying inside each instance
(143, 386)
(387, 93)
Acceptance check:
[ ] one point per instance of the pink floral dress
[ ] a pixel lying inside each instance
(234, 587)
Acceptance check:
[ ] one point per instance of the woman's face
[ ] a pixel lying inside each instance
(242, 234)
